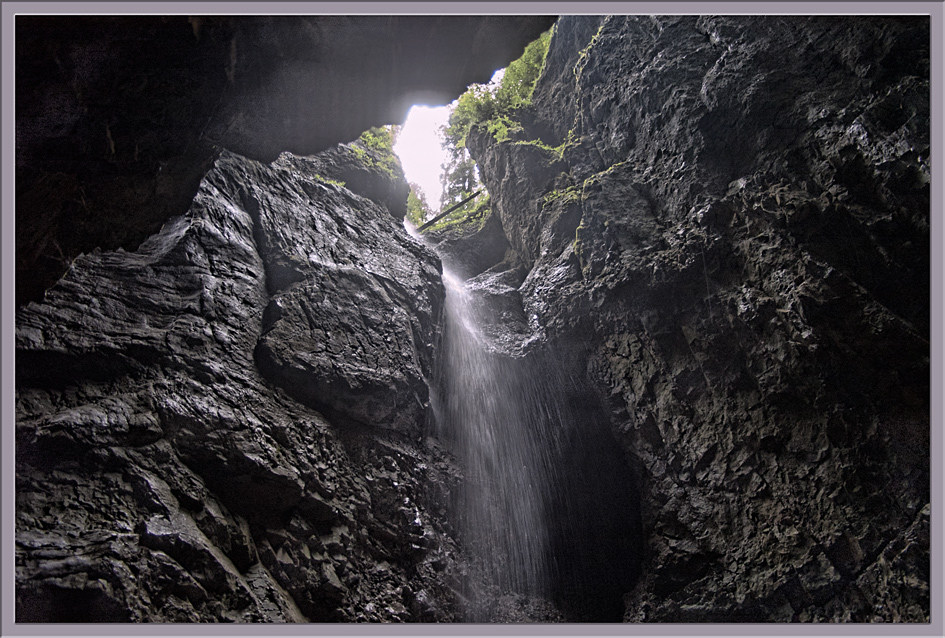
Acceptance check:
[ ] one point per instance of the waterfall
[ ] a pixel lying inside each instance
(502, 425)
(544, 511)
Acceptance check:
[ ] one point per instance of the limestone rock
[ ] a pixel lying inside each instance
(730, 215)
(174, 462)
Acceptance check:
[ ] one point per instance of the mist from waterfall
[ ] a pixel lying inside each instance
(545, 513)
(498, 420)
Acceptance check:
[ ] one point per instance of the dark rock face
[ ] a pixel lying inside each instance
(726, 222)
(351, 316)
(717, 229)
(470, 249)
(174, 461)
(118, 117)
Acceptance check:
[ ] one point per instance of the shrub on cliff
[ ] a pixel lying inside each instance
(492, 106)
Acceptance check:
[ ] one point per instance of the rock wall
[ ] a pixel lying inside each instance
(725, 222)
(721, 225)
(226, 425)
(118, 117)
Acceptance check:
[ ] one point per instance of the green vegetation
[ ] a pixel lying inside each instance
(567, 192)
(328, 180)
(567, 196)
(582, 56)
(557, 152)
(380, 140)
(493, 107)
(417, 208)
(471, 217)
(460, 179)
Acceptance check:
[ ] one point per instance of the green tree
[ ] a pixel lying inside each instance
(476, 105)
(460, 178)
(417, 208)
(493, 107)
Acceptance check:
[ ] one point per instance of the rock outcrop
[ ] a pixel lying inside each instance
(226, 424)
(118, 117)
(714, 231)
(725, 221)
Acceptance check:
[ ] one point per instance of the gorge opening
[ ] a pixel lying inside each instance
(547, 513)
(628, 385)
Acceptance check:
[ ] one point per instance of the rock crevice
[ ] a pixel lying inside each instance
(734, 224)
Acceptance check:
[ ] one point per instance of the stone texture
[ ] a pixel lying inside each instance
(726, 220)
(174, 461)
(118, 117)
(350, 321)
(472, 246)
(715, 228)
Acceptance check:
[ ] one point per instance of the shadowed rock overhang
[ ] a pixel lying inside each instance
(119, 117)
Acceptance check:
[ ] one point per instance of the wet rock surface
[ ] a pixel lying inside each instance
(118, 117)
(350, 321)
(727, 221)
(470, 247)
(175, 457)
(716, 230)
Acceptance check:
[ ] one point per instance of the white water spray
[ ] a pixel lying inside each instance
(542, 512)
(501, 425)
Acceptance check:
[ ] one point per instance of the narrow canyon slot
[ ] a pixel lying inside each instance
(646, 341)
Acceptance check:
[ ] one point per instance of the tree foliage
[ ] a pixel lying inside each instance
(380, 140)
(476, 105)
(417, 208)
(518, 82)
(492, 106)
(460, 178)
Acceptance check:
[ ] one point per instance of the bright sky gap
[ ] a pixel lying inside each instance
(419, 145)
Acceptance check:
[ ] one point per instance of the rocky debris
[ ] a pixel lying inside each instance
(173, 458)
(522, 609)
(118, 117)
(730, 216)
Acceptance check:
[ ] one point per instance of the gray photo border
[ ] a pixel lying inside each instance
(934, 9)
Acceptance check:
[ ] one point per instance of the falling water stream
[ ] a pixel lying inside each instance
(497, 420)
(542, 512)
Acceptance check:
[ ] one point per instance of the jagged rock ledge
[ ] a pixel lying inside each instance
(226, 424)
(725, 221)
